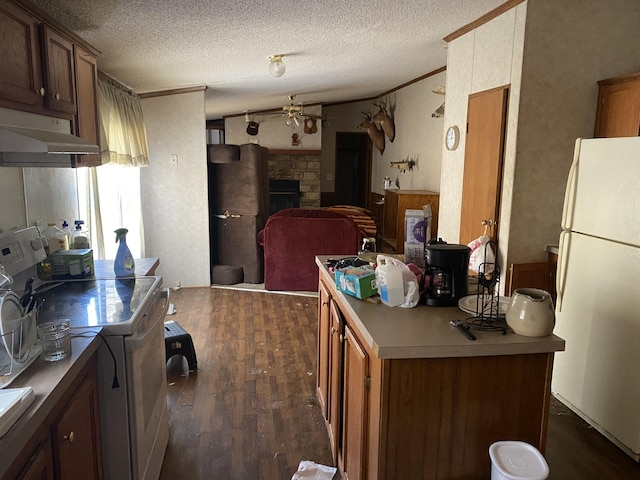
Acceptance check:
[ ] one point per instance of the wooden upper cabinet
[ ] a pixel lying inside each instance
(59, 71)
(88, 122)
(618, 111)
(20, 74)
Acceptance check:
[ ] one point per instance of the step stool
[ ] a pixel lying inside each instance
(178, 342)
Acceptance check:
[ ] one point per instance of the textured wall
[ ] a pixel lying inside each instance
(175, 197)
(569, 46)
(418, 137)
(50, 195)
(273, 132)
(551, 53)
(487, 57)
(12, 213)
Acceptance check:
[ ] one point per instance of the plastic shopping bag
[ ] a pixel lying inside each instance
(482, 259)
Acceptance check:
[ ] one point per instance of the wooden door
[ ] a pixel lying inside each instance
(354, 431)
(483, 160)
(20, 73)
(618, 113)
(60, 72)
(324, 298)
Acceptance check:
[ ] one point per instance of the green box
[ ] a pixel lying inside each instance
(359, 282)
(70, 264)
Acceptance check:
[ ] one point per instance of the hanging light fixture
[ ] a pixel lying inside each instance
(276, 65)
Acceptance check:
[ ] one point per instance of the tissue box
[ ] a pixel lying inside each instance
(359, 282)
(70, 264)
(414, 226)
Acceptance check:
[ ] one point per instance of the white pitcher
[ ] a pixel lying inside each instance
(531, 312)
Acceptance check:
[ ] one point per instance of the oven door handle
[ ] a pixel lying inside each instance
(155, 314)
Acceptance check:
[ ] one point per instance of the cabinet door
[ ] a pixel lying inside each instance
(618, 112)
(324, 298)
(88, 126)
(76, 436)
(356, 376)
(20, 73)
(335, 378)
(40, 466)
(60, 72)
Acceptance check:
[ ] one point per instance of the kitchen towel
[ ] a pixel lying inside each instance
(308, 470)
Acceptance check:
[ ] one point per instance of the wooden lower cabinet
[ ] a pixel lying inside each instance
(40, 465)
(324, 297)
(67, 445)
(352, 457)
(76, 436)
(428, 418)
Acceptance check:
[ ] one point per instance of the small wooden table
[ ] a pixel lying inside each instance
(145, 267)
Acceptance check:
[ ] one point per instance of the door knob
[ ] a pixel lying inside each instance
(70, 438)
(57, 96)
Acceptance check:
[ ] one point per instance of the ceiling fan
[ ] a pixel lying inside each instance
(295, 114)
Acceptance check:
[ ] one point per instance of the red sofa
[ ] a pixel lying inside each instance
(294, 236)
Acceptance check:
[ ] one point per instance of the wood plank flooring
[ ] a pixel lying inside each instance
(250, 411)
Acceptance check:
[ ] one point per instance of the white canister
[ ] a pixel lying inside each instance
(531, 313)
(389, 279)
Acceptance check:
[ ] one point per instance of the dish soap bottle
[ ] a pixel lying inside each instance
(124, 266)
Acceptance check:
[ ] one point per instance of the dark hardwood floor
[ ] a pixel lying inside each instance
(250, 411)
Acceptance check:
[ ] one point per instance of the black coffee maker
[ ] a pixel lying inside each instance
(447, 273)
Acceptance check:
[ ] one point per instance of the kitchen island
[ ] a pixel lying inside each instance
(60, 431)
(407, 396)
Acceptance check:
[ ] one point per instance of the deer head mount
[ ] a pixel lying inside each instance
(386, 122)
(375, 134)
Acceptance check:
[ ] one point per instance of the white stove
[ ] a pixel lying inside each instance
(129, 316)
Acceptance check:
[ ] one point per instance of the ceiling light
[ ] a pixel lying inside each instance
(276, 65)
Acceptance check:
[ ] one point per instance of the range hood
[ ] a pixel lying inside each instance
(28, 139)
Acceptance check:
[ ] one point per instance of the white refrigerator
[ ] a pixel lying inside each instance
(598, 282)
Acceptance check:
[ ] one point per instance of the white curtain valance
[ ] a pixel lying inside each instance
(123, 134)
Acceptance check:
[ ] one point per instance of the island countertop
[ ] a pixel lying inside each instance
(425, 332)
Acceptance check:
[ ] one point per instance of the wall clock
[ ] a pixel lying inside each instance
(453, 138)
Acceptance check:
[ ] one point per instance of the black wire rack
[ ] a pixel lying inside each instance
(488, 316)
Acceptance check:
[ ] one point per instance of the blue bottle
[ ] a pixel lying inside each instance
(124, 266)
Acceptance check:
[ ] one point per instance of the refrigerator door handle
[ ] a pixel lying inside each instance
(569, 193)
(561, 271)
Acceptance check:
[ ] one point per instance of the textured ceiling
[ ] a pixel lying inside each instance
(334, 50)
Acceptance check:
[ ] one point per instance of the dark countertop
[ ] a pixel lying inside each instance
(144, 267)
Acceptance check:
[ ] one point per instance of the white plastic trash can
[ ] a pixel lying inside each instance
(512, 460)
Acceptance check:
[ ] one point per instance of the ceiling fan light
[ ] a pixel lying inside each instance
(276, 65)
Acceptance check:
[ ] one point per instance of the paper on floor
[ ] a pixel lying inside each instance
(308, 470)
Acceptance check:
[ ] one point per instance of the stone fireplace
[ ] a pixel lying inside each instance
(302, 166)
